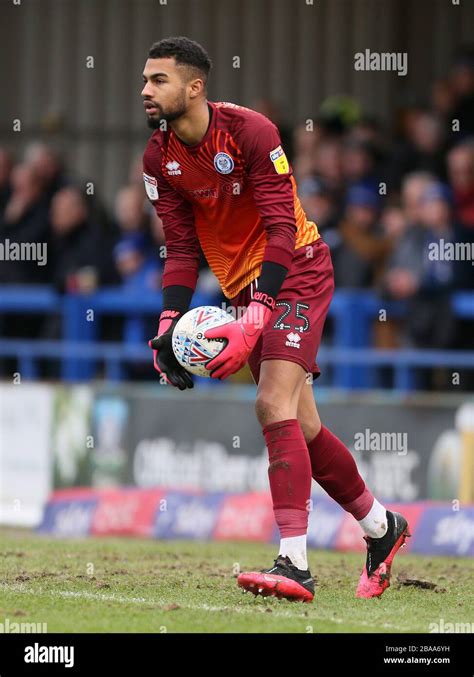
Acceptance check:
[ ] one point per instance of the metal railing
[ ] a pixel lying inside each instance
(80, 352)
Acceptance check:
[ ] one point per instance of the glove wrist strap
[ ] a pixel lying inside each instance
(167, 319)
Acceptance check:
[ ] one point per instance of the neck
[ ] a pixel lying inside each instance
(192, 127)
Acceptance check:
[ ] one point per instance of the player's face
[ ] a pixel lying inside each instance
(164, 92)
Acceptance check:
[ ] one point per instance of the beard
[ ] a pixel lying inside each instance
(173, 113)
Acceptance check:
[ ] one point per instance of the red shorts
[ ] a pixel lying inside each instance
(295, 328)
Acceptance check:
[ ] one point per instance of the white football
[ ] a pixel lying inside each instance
(191, 349)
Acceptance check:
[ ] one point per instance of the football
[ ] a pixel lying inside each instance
(191, 349)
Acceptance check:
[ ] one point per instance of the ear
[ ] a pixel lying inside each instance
(196, 88)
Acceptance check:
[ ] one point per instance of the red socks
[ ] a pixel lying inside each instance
(289, 473)
(334, 468)
(291, 467)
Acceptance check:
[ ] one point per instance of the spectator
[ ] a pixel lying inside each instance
(138, 270)
(394, 225)
(422, 150)
(358, 163)
(25, 220)
(328, 165)
(359, 260)
(80, 251)
(305, 143)
(443, 100)
(413, 187)
(6, 166)
(130, 210)
(367, 131)
(394, 222)
(45, 161)
(320, 206)
(398, 280)
(461, 177)
(424, 276)
(462, 82)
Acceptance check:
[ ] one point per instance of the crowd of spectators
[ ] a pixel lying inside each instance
(380, 195)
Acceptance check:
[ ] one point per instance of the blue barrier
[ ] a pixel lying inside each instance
(353, 312)
(113, 355)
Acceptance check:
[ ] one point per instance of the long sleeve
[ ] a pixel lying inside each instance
(269, 173)
(181, 241)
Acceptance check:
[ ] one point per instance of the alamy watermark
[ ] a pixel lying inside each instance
(254, 314)
(381, 61)
(38, 653)
(9, 627)
(442, 626)
(373, 441)
(451, 251)
(24, 251)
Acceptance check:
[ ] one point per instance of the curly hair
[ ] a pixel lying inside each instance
(186, 52)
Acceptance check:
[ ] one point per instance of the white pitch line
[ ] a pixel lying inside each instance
(103, 597)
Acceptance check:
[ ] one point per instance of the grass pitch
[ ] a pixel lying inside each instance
(135, 585)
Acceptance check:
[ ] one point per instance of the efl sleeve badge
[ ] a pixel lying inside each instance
(151, 186)
(279, 159)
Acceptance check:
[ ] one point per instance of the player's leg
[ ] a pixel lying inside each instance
(335, 469)
(279, 365)
(289, 472)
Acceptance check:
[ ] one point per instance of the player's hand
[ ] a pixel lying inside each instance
(242, 336)
(164, 359)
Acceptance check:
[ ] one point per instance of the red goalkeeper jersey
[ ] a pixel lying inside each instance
(233, 193)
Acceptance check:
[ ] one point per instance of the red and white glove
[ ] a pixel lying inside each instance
(242, 336)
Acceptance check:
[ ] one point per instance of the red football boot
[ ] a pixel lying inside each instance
(375, 576)
(283, 580)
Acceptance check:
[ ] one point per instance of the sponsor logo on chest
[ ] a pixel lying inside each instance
(173, 168)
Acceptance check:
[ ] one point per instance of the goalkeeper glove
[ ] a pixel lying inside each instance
(164, 359)
(241, 335)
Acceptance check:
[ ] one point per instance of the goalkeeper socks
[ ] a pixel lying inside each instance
(375, 523)
(334, 468)
(289, 474)
(295, 548)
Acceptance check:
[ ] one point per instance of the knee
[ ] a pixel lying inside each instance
(270, 408)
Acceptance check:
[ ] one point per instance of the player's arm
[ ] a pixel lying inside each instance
(269, 173)
(180, 271)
